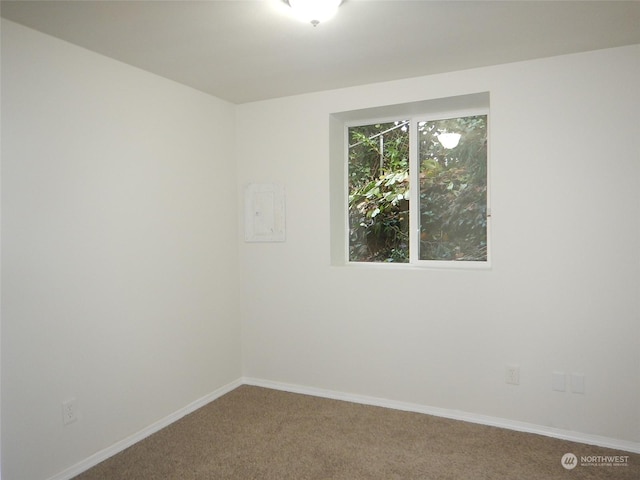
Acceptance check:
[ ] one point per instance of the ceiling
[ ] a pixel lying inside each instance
(249, 50)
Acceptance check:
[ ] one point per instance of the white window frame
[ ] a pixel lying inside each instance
(414, 210)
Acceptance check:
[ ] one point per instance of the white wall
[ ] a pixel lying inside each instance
(563, 293)
(120, 253)
(119, 261)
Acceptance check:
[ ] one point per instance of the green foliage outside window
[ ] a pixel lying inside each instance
(452, 195)
(379, 193)
(453, 190)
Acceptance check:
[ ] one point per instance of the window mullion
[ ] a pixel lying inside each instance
(414, 193)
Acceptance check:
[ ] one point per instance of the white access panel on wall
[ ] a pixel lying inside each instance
(264, 213)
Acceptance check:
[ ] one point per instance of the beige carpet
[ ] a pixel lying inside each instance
(256, 433)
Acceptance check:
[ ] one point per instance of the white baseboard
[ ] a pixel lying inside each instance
(118, 447)
(572, 436)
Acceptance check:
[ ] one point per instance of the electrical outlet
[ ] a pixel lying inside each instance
(69, 411)
(513, 375)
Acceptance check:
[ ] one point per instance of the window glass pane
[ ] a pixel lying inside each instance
(452, 162)
(379, 192)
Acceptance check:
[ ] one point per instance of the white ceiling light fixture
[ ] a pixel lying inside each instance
(449, 140)
(314, 11)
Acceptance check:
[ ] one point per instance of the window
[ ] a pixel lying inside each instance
(379, 192)
(452, 195)
(417, 188)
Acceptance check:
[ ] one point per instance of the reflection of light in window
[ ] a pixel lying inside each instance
(449, 140)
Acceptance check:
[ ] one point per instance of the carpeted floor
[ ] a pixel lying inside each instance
(257, 433)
